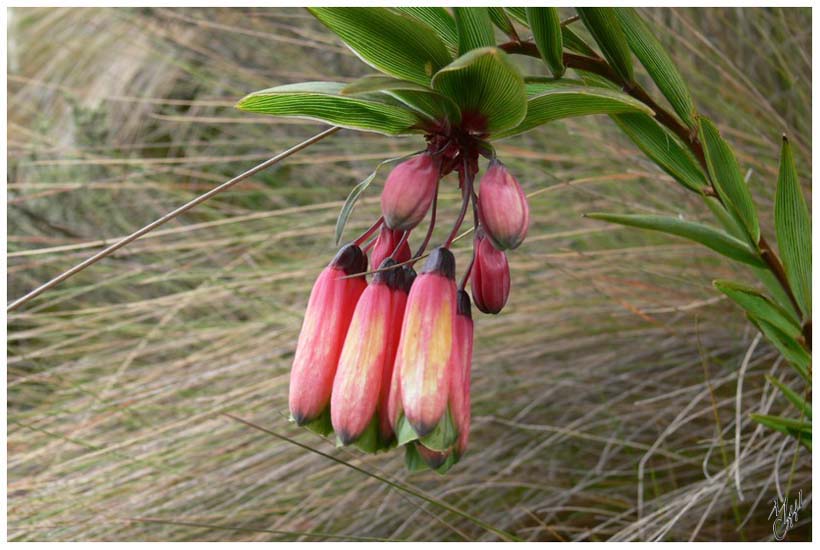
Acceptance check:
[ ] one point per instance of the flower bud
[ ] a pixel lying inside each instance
(366, 361)
(502, 207)
(384, 246)
(327, 318)
(409, 192)
(490, 280)
(425, 346)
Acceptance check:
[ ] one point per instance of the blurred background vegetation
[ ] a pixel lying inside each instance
(605, 396)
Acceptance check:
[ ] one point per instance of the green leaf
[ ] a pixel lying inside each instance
(488, 89)
(356, 192)
(553, 100)
(725, 175)
(708, 236)
(657, 62)
(405, 432)
(519, 14)
(499, 18)
(438, 19)
(793, 228)
(321, 424)
(443, 436)
(786, 345)
(424, 101)
(323, 101)
(793, 397)
(475, 29)
(760, 306)
(546, 30)
(796, 428)
(606, 30)
(575, 43)
(663, 148)
(412, 459)
(389, 41)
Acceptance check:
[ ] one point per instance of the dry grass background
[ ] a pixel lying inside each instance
(604, 395)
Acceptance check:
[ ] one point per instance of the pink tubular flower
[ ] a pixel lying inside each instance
(366, 361)
(421, 383)
(490, 279)
(419, 455)
(409, 192)
(460, 384)
(329, 310)
(386, 408)
(502, 207)
(386, 243)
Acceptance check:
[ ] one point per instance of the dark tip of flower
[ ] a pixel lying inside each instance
(421, 428)
(299, 418)
(408, 276)
(350, 259)
(345, 438)
(441, 261)
(433, 459)
(463, 300)
(390, 277)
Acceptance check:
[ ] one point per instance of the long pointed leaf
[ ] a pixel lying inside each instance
(323, 101)
(727, 179)
(657, 62)
(553, 100)
(355, 193)
(797, 429)
(793, 229)
(421, 99)
(708, 236)
(389, 41)
(606, 30)
(500, 19)
(438, 19)
(546, 30)
(519, 14)
(575, 43)
(475, 29)
(760, 306)
(663, 148)
(793, 397)
(786, 345)
(487, 87)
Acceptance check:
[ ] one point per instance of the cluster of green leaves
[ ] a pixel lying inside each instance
(783, 316)
(442, 71)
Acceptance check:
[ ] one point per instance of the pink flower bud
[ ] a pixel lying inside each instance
(503, 208)
(366, 362)
(490, 279)
(329, 311)
(426, 344)
(409, 192)
(385, 244)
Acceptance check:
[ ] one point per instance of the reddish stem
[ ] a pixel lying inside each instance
(363, 237)
(398, 246)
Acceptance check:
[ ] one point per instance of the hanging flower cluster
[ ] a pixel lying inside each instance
(388, 363)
